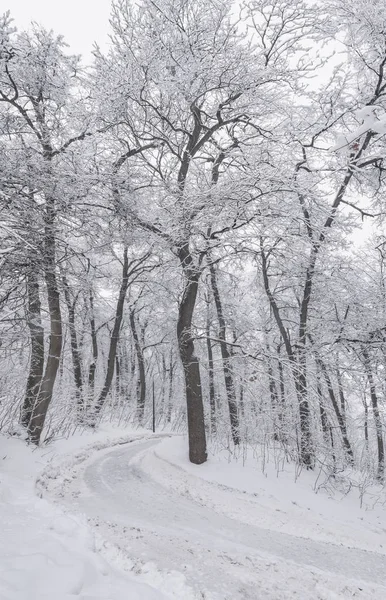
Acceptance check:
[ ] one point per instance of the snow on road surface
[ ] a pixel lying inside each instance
(192, 546)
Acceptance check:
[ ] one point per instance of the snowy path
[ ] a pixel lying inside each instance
(221, 558)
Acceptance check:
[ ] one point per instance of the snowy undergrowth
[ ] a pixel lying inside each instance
(281, 501)
(48, 554)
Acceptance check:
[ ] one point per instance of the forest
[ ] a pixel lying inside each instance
(192, 229)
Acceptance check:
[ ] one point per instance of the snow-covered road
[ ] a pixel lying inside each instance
(220, 557)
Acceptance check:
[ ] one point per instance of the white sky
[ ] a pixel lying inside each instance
(81, 22)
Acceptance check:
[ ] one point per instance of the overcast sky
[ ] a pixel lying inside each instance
(81, 22)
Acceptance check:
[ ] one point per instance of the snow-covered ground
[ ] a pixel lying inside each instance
(136, 520)
(46, 553)
(306, 504)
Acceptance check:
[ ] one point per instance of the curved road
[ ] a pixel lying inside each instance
(221, 558)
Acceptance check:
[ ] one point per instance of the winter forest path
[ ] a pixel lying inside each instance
(220, 557)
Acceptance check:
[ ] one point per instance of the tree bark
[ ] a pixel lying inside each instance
(274, 395)
(226, 359)
(117, 378)
(75, 351)
(141, 387)
(170, 391)
(298, 369)
(212, 393)
(36, 329)
(335, 404)
(190, 363)
(377, 416)
(43, 400)
(114, 338)
(301, 354)
(341, 393)
(366, 423)
(282, 396)
(94, 341)
(322, 411)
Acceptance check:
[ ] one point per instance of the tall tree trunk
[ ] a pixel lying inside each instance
(75, 351)
(322, 411)
(170, 391)
(94, 342)
(301, 354)
(124, 363)
(298, 370)
(366, 423)
(212, 393)
(226, 359)
(328, 434)
(274, 395)
(376, 414)
(335, 404)
(43, 400)
(341, 393)
(281, 388)
(190, 363)
(163, 389)
(114, 337)
(117, 377)
(36, 329)
(141, 387)
(241, 399)
(300, 376)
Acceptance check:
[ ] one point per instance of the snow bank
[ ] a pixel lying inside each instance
(46, 554)
(282, 501)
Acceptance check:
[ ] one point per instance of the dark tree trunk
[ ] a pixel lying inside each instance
(366, 423)
(212, 393)
(117, 377)
(75, 351)
(226, 359)
(114, 337)
(43, 400)
(328, 434)
(301, 359)
(190, 364)
(377, 416)
(334, 402)
(36, 329)
(94, 341)
(132, 368)
(241, 400)
(282, 410)
(306, 443)
(323, 413)
(141, 387)
(274, 395)
(170, 392)
(163, 389)
(93, 364)
(341, 394)
(124, 372)
(298, 370)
